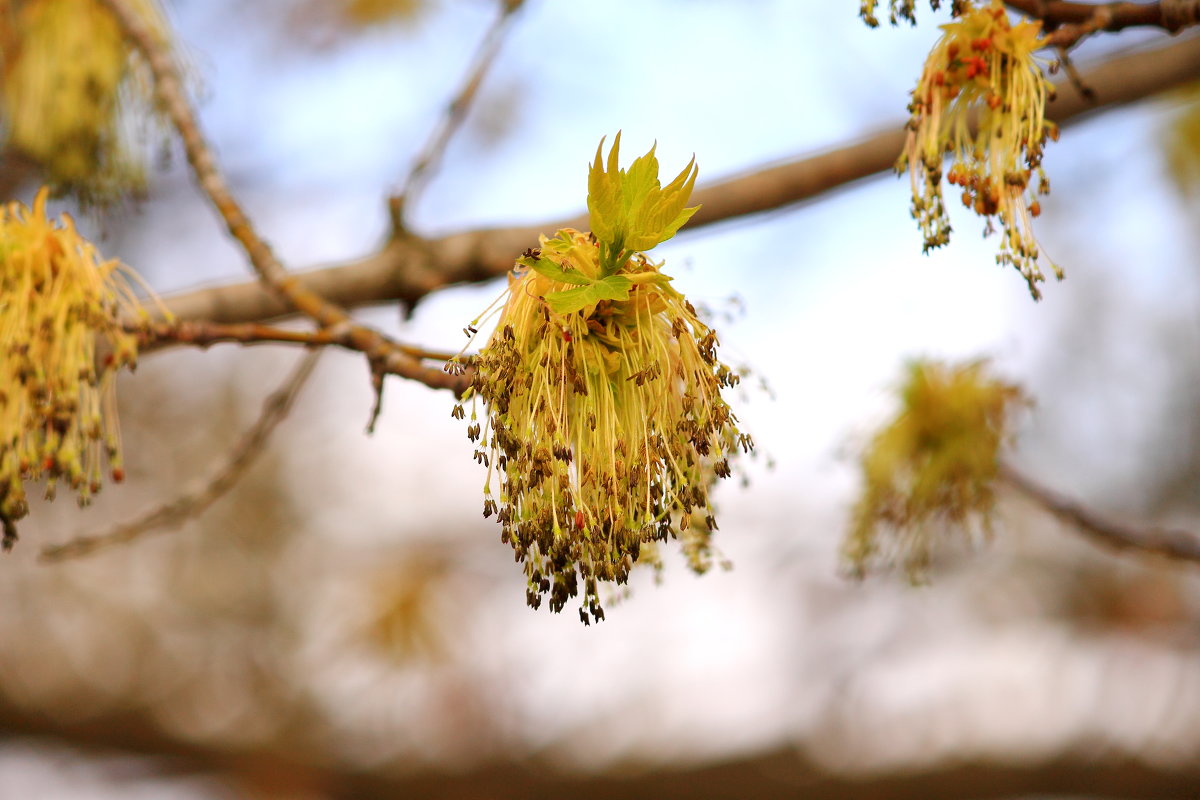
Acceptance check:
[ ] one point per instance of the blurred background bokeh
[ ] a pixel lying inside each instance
(346, 624)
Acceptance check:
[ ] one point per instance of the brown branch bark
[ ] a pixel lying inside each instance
(1169, 16)
(202, 334)
(407, 269)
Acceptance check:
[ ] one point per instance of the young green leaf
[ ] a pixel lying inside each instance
(614, 287)
(571, 300)
(629, 209)
(554, 271)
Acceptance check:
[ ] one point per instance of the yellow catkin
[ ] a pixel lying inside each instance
(981, 99)
(605, 427)
(62, 341)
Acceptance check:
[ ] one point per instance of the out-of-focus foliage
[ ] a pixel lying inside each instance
(59, 303)
(1182, 142)
(73, 96)
(403, 619)
(932, 467)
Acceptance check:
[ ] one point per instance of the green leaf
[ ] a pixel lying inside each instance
(639, 183)
(569, 301)
(554, 271)
(604, 202)
(614, 287)
(572, 300)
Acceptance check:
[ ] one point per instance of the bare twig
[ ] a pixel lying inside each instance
(287, 289)
(201, 333)
(407, 269)
(431, 153)
(1064, 59)
(1175, 544)
(192, 503)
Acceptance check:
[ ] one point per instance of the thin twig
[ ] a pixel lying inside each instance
(1085, 91)
(201, 333)
(430, 155)
(1175, 544)
(192, 503)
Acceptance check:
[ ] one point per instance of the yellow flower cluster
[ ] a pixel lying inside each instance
(981, 98)
(606, 427)
(61, 343)
(66, 78)
(933, 467)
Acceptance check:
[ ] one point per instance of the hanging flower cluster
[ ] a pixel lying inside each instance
(68, 81)
(605, 426)
(933, 467)
(61, 343)
(981, 99)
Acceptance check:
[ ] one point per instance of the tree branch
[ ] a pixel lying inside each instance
(406, 270)
(1174, 544)
(1170, 15)
(193, 503)
(201, 333)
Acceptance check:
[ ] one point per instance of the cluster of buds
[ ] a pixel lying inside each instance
(62, 335)
(932, 468)
(68, 78)
(981, 99)
(605, 427)
(904, 10)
